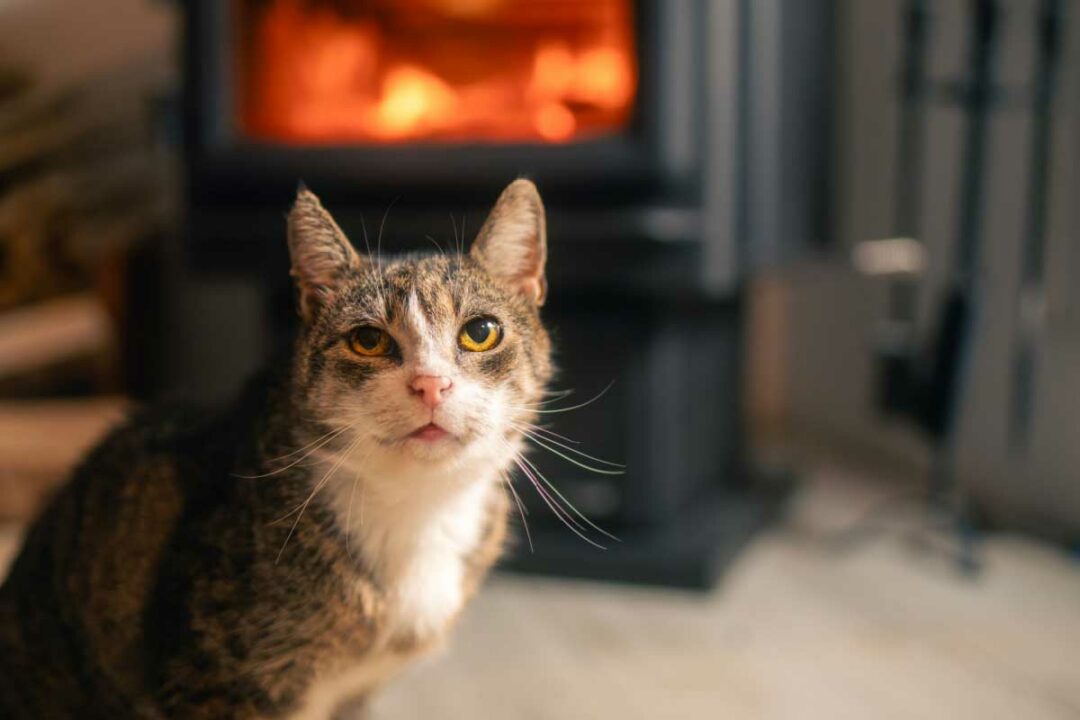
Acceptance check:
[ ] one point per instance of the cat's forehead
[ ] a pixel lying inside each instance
(436, 289)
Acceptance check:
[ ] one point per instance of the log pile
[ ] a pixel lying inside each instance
(83, 182)
(85, 186)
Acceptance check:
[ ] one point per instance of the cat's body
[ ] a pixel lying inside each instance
(298, 550)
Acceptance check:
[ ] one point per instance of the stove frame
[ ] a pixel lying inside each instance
(650, 233)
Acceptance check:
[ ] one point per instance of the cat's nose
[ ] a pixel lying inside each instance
(432, 389)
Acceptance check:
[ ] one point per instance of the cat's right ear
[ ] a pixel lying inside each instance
(512, 244)
(321, 255)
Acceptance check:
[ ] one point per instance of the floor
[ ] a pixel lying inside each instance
(802, 628)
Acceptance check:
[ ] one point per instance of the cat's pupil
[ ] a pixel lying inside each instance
(480, 329)
(368, 337)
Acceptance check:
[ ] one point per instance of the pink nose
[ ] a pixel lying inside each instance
(432, 389)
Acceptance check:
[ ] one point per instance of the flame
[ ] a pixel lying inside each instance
(412, 98)
(602, 78)
(457, 70)
(555, 122)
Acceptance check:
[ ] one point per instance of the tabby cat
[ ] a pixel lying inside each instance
(293, 553)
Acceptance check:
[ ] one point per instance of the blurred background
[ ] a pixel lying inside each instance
(814, 271)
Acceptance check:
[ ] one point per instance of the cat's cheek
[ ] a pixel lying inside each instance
(497, 367)
(354, 374)
(483, 411)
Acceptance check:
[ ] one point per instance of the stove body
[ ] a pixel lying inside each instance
(706, 157)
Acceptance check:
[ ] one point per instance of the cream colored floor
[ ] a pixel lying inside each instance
(885, 631)
(796, 632)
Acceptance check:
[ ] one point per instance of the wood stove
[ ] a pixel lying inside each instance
(651, 128)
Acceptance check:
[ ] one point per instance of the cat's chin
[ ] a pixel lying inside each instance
(432, 447)
(450, 453)
(431, 444)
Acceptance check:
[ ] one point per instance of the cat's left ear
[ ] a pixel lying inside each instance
(321, 255)
(512, 244)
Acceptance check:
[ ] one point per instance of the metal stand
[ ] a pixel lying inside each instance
(925, 384)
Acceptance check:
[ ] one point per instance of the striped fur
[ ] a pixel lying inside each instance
(296, 550)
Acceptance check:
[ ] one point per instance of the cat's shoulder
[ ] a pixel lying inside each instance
(201, 438)
(152, 434)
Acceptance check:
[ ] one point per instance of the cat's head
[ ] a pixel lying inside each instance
(430, 361)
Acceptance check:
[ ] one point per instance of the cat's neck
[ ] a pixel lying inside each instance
(415, 530)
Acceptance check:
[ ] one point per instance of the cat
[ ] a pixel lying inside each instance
(297, 550)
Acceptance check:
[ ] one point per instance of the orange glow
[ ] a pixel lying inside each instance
(382, 71)
(412, 101)
(555, 122)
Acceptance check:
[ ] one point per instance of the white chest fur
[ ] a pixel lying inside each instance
(419, 555)
(415, 533)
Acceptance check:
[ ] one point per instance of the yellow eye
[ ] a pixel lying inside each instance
(480, 334)
(370, 341)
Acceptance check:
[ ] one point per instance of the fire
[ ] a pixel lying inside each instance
(439, 70)
(555, 122)
(413, 101)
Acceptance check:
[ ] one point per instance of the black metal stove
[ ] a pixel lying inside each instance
(655, 212)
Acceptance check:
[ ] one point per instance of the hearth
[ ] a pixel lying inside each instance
(664, 136)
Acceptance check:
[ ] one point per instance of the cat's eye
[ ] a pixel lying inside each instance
(480, 334)
(370, 341)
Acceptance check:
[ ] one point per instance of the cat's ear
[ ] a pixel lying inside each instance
(512, 244)
(321, 255)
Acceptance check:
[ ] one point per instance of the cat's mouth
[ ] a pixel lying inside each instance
(429, 433)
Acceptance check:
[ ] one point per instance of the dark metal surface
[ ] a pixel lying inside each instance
(691, 552)
(655, 157)
(647, 236)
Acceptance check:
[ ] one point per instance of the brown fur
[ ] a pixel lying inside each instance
(169, 580)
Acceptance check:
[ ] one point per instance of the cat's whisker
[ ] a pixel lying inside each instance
(531, 472)
(464, 237)
(521, 509)
(524, 465)
(348, 516)
(554, 396)
(303, 506)
(333, 431)
(382, 226)
(536, 477)
(573, 525)
(569, 504)
(542, 442)
(590, 401)
(375, 269)
(325, 478)
(559, 512)
(543, 403)
(435, 242)
(363, 231)
(546, 431)
(321, 442)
